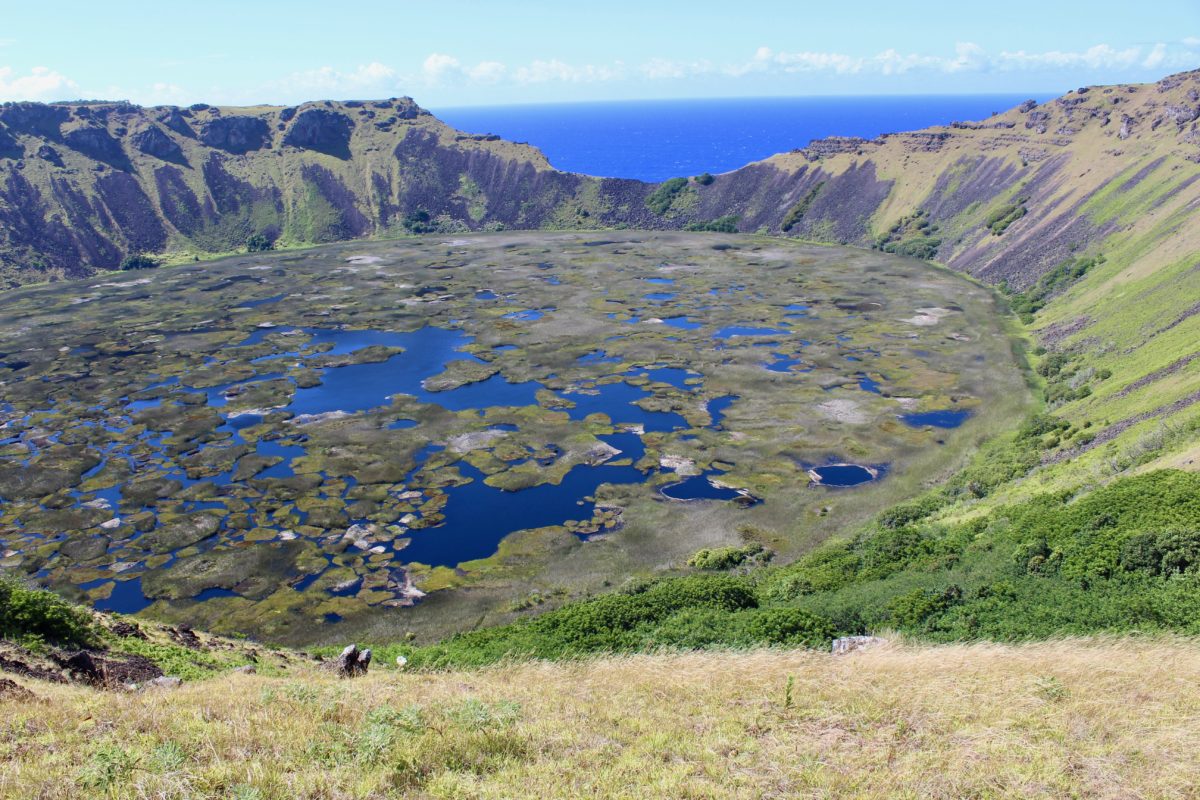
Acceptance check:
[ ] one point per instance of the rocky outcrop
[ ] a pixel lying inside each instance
(236, 134)
(96, 143)
(154, 142)
(321, 130)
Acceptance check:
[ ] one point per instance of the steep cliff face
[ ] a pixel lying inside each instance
(1006, 199)
(82, 185)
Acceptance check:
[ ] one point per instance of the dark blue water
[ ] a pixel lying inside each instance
(840, 475)
(682, 322)
(733, 331)
(617, 401)
(479, 516)
(698, 487)
(357, 387)
(653, 140)
(946, 418)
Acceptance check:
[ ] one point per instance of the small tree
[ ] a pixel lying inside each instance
(259, 243)
(139, 261)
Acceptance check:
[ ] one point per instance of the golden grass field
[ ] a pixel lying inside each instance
(1115, 718)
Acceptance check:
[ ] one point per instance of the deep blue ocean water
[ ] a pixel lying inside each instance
(658, 139)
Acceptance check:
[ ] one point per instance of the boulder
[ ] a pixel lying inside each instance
(164, 682)
(353, 662)
(848, 644)
(246, 669)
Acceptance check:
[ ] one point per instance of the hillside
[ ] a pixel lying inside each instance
(1082, 718)
(82, 185)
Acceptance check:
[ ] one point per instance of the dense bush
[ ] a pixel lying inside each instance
(922, 247)
(999, 220)
(723, 558)
(35, 614)
(726, 224)
(419, 221)
(659, 201)
(704, 179)
(1033, 299)
(138, 261)
(259, 243)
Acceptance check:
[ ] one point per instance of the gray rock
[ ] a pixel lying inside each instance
(353, 662)
(848, 644)
(246, 669)
(164, 682)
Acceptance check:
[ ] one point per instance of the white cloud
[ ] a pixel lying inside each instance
(1156, 56)
(438, 66)
(373, 79)
(487, 72)
(556, 70)
(40, 83)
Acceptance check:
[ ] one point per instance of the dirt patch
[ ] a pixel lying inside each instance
(11, 690)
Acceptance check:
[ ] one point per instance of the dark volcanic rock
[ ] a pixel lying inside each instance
(97, 143)
(153, 142)
(324, 131)
(35, 119)
(50, 155)
(9, 146)
(353, 662)
(175, 120)
(236, 134)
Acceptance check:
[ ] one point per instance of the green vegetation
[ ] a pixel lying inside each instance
(1034, 299)
(1125, 557)
(999, 220)
(724, 558)
(33, 616)
(913, 236)
(797, 212)
(259, 243)
(704, 179)
(726, 224)
(693, 611)
(139, 261)
(419, 221)
(659, 201)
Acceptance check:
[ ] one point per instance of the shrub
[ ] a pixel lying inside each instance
(704, 179)
(138, 261)
(419, 221)
(726, 224)
(1169, 552)
(722, 558)
(41, 616)
(999, 220)
(259, 243)
(790, 626)
(659, 201)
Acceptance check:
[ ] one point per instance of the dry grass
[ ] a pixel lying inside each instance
(1097, 718)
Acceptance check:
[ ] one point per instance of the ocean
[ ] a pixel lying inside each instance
(658, 139)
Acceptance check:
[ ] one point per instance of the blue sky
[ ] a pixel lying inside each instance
(452, 52)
